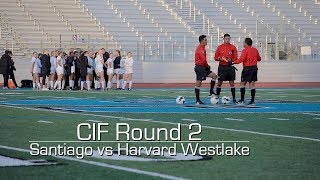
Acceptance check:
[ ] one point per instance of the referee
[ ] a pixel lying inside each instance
(249, 57)
(202, 69)
(226, 72)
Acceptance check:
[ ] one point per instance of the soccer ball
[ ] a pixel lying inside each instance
(180, 100)
(214, 100)
(226, 100)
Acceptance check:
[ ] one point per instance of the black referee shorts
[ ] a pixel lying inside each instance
(249, 74)
(202, 72)
(226, 73)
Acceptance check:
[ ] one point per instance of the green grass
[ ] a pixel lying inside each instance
(271, 157)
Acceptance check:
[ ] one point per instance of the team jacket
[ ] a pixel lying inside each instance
(227, 51)
(200, 56)
(249, 56)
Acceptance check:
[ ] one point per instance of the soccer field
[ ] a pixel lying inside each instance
(281, 131)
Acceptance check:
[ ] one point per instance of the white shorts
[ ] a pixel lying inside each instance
(73, 69)
(36, 70)
(90, 70)
(122, 71)
(52, 70)
(99, 69)
(110, 71)
(128, 71)
(119, 71)
(60, 70)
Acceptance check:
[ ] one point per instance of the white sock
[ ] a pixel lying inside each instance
(39, 86)
(124, 84)
(59, 85)
(95, 84)
(33, 85)
(121, 82)
(72, 84)
(103, 85)
(118, 84)
(82, 84)
(63, 84)
(88, 85)
(109, 85)
(130, 84)
(55, 85)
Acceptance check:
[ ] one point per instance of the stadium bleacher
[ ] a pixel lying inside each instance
(156, 30)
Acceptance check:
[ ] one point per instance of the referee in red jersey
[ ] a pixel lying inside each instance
(202, 69)
(249, 57)
(226, 72)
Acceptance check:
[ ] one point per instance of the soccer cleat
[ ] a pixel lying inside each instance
(251, 103)
(240, 103)
(129, 89)
(45, 89)
(235, 101)
(199, 103)
(212, 94)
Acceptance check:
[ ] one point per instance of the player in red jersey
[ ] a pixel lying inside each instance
(226, 72)
(202, 69)
(249, 57)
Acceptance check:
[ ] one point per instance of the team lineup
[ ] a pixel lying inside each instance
(95, 70)
(226, 55)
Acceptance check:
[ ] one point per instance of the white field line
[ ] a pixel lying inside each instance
(192, 120)
(311, 114)
(121, 168)
(312, 96)
(233, 119)
(279, 119)
(95, 121)
(316, 118)
(48, 122)
(165, 122)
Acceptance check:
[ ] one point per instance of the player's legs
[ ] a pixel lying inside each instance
(51, 79)
(219, 88)
(233, 91)
(89, 80)
(118, 80)
(37, 78)
(126, 79)
(213, 77)
(110, 76)
(71, 81)
(197, 91)
(253, 92)
(59, 80)
(102, 80)
(34, 81)
(242, 91)
(130, 80)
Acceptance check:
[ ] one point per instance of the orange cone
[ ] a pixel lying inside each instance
(11, 84)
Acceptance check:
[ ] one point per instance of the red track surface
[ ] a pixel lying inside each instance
(226, 84)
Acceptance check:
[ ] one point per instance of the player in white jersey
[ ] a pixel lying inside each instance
(60, 70)
(35, 71)
(53, 59)
(99, 68)
(109, 65)
(128, 67)
(89, 77)
(121, 71)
